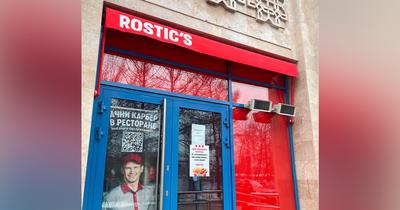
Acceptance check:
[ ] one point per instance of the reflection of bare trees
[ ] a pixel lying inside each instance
(209, 189)
(213, 135)
(253, 152)
(144, 74)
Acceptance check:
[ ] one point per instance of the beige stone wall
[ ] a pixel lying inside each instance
(305, 129)
(299, 41)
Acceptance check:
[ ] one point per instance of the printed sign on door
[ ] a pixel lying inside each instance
(199, 160)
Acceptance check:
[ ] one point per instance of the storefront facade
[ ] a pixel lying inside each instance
(166, 122)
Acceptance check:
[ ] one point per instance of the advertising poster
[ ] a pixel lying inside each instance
(133, 154)
(199, 160)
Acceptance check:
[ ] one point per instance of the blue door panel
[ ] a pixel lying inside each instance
(98, 147)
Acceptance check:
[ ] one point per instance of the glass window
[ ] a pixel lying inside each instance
(204, 191)
(145, 74)
(262, 159)
(242, 93)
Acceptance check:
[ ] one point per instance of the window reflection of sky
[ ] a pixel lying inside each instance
(243, 93)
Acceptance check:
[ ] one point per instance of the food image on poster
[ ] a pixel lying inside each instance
(132, 141)
(199, 160)
(199, 171)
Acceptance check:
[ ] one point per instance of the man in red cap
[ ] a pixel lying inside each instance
(131, 194)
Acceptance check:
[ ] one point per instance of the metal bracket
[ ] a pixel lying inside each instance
(99, 133)
(101, 107)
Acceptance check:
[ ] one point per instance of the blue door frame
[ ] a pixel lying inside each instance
(174, 102)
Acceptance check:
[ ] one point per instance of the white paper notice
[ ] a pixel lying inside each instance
(198, 134)
(199, 160)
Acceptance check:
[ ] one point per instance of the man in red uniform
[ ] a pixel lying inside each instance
(131, 194)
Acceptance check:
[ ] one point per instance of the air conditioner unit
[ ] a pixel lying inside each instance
(260, 105)
(284, 109)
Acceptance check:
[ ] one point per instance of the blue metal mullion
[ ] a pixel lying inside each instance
(174, 157)
(163, 61)
(291, 145)
(232, 154)
(238, 105)
(168, 151)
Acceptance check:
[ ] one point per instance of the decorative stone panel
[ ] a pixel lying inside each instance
(267, 11)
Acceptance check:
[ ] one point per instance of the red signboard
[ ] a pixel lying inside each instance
(136, 25)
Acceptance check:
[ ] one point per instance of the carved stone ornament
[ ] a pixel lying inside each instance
(267, 11)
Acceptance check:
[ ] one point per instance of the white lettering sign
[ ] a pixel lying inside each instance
(155, 30)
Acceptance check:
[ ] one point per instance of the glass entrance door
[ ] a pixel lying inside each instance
(158, 152)
(201, 157)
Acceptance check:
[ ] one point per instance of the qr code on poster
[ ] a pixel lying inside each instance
(132, 142)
